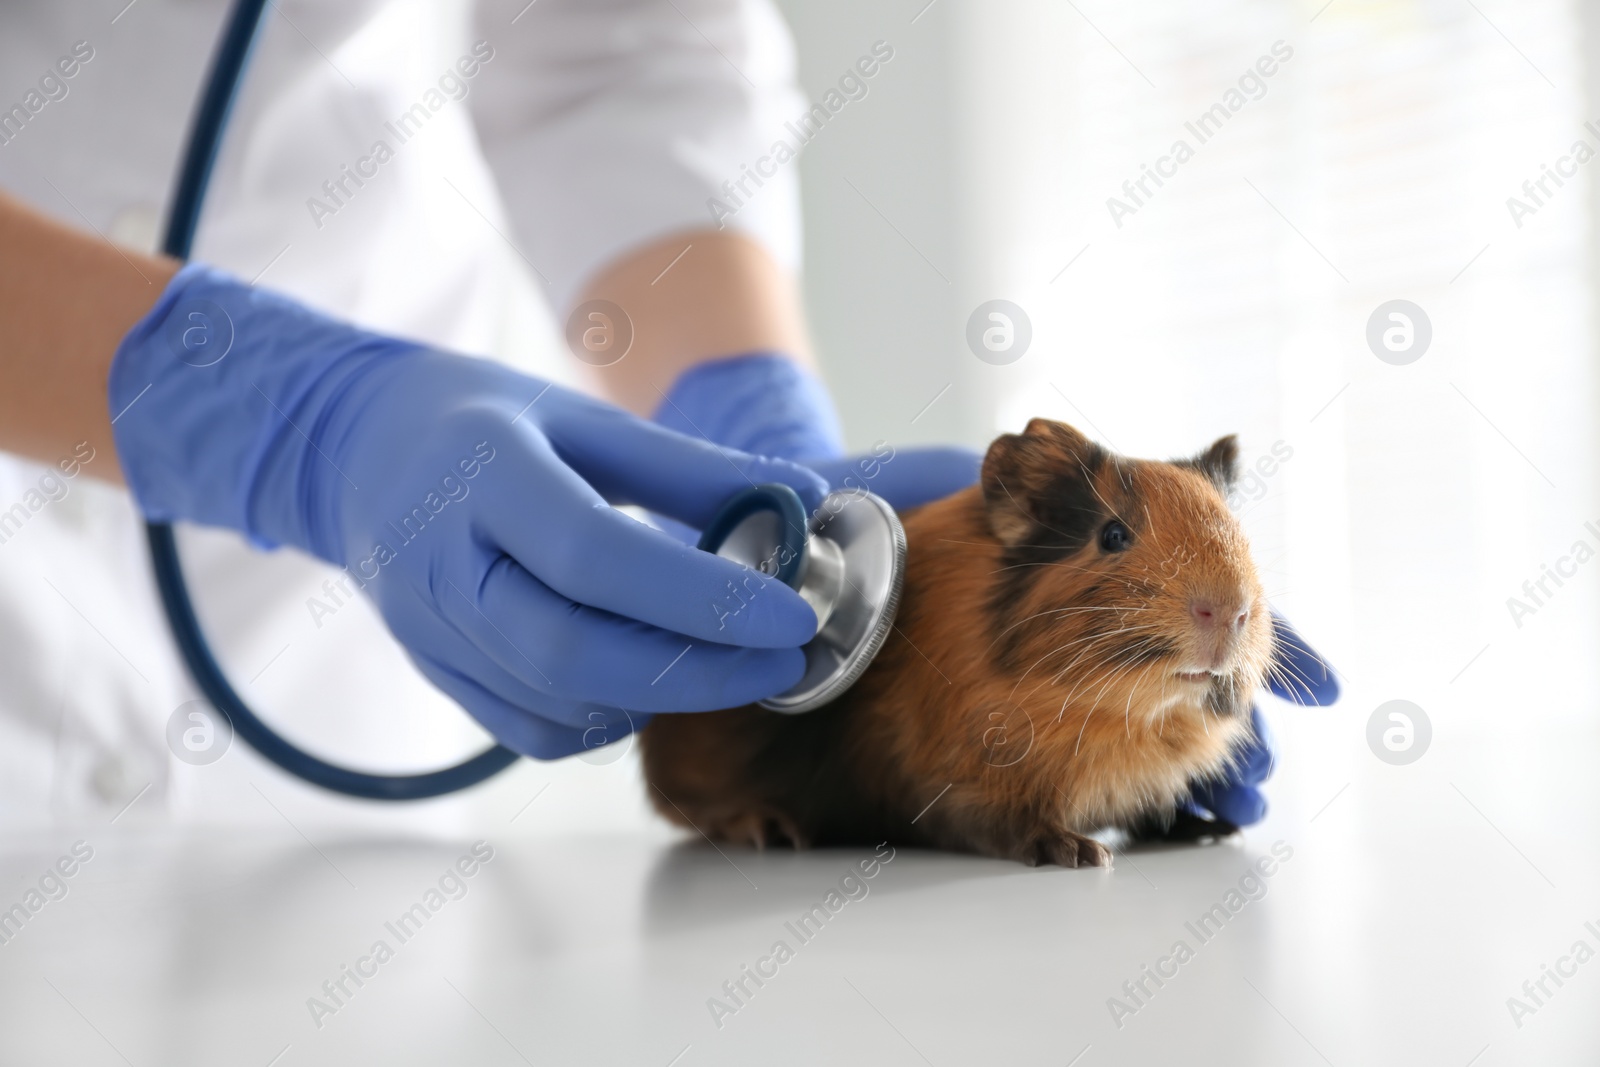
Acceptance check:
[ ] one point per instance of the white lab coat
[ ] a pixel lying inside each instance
(595, 126)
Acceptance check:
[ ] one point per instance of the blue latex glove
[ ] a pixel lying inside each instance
(468, 500)
(768, 404)
(760, 402)
(1299, 676)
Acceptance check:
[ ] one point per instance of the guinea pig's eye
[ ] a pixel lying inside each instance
(1115, 537)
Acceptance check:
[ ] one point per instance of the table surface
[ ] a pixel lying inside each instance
(1404, 907)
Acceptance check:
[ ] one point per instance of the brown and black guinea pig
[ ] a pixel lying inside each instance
(1080, 635)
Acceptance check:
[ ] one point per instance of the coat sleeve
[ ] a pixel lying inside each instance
(612, 123)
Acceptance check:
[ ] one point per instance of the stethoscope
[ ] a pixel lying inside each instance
(847, 559)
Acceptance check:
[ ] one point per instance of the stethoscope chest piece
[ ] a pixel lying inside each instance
(847, 561)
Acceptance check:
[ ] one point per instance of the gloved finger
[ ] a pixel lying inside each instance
(1298, 674)
(577, 653)
(1253, 760)
(448, 648)
(1252, 764)
(599, 734)
(685, 478)
(513, 727)
(560, 529)
(1242, 805)
(1235, 795)
(677, 530)
(914, 476)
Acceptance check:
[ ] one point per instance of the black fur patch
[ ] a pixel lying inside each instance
(1223, 698)
(1067, 517)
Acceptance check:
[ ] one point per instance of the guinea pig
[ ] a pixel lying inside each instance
(1079, 636)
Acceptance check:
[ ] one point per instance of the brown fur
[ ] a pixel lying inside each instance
(1031, 671)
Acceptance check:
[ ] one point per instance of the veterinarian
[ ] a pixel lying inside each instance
(339, 372)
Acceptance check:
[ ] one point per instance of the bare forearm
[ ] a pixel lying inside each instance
(66, 300)
(693, 297)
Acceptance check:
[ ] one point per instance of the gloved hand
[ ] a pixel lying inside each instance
(468, 500)
(1297, 675)
(768, 404)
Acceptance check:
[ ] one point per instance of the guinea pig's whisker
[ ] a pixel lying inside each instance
(1090, 643)
(1101, 694)
(1094, 706)
(1091, 638)
(1082, 728)
(1086, 717)
(1018, 544)
(1069, 644)
(1090, 676)
(1166, 710)
(1277, 673)
(1288, 675)
(1058, 611)
(1127, 708)
(1086, 651)
(1147, 647)
(993, 544)
(1134, 652)
(1089, 480)
(1118, 669)
(1043, 563)
(1122, 661)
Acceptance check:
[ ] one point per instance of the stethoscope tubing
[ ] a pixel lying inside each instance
(210, 122)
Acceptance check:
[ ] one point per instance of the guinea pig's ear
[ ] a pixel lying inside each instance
(1220, 463)
(1041, 477)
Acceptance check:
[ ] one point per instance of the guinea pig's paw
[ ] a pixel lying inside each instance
(1064, 849)
(761, 827)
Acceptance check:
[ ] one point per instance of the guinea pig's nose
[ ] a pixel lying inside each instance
(1211, 614)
